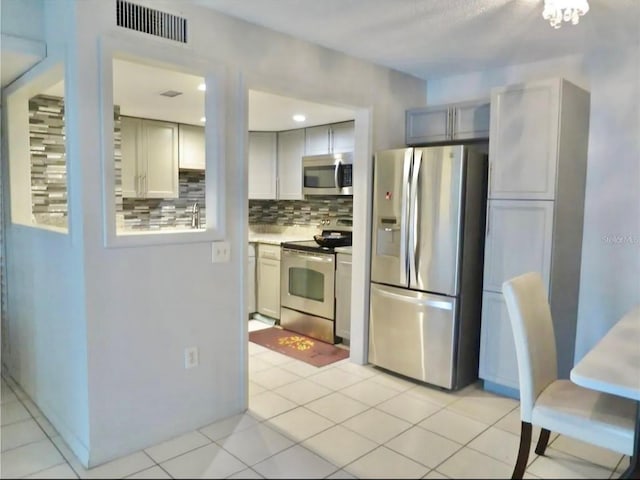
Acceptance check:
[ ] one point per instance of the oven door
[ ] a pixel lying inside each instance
(307, 282)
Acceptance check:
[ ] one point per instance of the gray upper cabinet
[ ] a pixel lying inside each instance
(445, 123)
(331, 138)
(130, 133)
(192, 147)
(275, 158)
(290, 153)
(149, 158)
(263, 165)
(342, 137)
(317, 140)
(524, 140)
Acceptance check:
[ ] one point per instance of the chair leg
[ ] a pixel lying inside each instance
(543, 439)
(523, 452)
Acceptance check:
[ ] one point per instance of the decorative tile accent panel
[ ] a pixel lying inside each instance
(49, 163)
(152, 214)
(48, 160)
(117, 158)
(299, 212)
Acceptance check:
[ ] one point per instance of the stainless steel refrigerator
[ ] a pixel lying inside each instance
(426, 262)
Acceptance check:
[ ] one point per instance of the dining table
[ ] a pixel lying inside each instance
(613, 366)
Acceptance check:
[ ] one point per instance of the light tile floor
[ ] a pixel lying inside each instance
(340, 421)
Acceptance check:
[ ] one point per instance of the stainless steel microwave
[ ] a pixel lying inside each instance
(330, 174)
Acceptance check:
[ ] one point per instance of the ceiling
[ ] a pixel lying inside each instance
(425, 38)
(434, 38)
(18, 56)
(137, 91)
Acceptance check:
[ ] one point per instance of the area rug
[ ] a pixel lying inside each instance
(298, 346)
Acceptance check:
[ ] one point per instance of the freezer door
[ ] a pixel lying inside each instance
(435, 219)
(390, 213)
(412, 333)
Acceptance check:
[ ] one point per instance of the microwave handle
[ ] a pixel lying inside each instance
(336, 174)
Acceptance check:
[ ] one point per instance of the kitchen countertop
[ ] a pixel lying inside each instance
(346, 250)
(275, 235)
(276, 238)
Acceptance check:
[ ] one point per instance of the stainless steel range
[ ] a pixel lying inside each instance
(307, 281)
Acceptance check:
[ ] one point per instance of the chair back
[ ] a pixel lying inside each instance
(535, 341)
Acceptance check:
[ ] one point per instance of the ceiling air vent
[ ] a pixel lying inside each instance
(151, 21)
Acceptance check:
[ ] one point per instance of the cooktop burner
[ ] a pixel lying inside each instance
(337, 233)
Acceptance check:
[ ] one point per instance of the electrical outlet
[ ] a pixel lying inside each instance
(191, 357)
(220, 252)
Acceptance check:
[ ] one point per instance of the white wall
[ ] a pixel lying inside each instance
(23, 18)
(46, 316)
(610, 269)
(144, 305)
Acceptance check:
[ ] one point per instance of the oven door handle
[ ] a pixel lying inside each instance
(306, 256)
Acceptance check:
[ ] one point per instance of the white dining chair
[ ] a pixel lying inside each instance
(548, 402)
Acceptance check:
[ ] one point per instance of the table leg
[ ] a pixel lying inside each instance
(634, 467)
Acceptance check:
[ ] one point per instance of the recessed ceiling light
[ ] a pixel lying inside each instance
(202, 87)
(299, 117)
(203, 119)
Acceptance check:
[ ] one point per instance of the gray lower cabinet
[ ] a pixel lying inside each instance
(268, 280)
(343, 295)
(498, 361)
(251, 279)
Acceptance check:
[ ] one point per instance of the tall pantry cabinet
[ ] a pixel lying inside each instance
(537, 173)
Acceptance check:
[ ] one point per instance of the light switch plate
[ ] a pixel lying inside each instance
(220, 252)
(191, 357)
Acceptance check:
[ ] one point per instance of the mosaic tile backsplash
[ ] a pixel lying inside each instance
(48, 160)
(49, 185)
(156, 213)
(299, 212)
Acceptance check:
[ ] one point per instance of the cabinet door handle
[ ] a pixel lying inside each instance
(330, 146)
(488, 221)
(454, 119)
(490, 179)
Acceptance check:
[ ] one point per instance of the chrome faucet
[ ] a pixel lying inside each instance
(195, 216)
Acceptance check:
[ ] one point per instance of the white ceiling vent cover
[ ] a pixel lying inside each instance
(151, 21)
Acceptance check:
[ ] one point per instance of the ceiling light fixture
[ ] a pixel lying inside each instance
(557, 11)
(203, 119)
(170, 93)
(202, 87)
(299, 117)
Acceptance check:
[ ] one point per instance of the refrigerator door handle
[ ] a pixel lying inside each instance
(406, 170)
(442, 305)
(413, 226)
